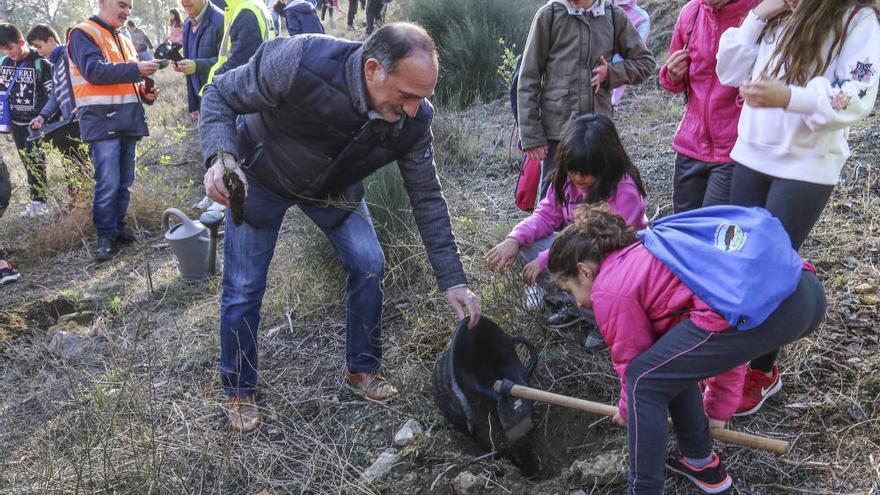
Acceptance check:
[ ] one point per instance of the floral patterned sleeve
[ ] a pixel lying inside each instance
(833, 105)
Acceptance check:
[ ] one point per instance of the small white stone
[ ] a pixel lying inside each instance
(407, 433)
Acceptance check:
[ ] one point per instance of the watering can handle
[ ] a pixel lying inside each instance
(532, 362)
(506, 387)
(179, 214)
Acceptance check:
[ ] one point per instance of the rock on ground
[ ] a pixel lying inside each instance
(602, 469)
(65, 344)
(381, 467)
(465, 482)
(407, 433)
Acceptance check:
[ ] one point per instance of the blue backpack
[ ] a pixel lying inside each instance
(738, 260)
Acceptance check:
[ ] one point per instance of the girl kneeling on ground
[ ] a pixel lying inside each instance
(591, 167)
(637, 299)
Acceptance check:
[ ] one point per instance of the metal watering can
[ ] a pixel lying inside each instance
(194, 243)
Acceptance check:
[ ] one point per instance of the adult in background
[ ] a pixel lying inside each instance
(202, 33)
(565, 71)
(246, 23)
(300, 16)
(353, 10)
(374, 14)
(703, 167)
(142, 42)
(108, 85)
(317, 116)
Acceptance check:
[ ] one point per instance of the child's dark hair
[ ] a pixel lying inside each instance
(42, 32)
(595, 232)
(279, 7)
(9, 34)
(591, 146)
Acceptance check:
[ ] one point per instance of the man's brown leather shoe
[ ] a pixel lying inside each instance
(371, 385)
(244, 415)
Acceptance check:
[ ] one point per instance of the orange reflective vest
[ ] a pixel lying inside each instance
(115, 49)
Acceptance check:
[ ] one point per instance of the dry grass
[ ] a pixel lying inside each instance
(141, 412)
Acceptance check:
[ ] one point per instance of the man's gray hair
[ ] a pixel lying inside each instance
(396, 41)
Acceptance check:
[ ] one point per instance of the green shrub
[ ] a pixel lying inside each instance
(468, 34)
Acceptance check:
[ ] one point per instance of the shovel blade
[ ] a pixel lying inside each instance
(515, 416)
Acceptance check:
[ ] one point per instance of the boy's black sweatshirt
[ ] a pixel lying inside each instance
(31, 89)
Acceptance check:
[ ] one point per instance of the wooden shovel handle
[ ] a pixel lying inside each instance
(722, 434)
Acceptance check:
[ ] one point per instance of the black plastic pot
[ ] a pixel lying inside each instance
(467, 370)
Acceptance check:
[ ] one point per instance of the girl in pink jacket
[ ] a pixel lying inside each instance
(707, 132)
(592, 166)
(664, 340)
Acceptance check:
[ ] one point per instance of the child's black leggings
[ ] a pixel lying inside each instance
(795, 203)
(665, 378)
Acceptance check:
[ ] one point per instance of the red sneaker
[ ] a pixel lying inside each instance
(757, 388)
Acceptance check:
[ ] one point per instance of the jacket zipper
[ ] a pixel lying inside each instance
(706, 107)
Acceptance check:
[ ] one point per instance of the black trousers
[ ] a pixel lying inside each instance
(34, 161)
(699, 184)
(374, 14)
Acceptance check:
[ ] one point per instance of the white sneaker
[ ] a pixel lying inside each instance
(203, 204)
(34, 209)
(215, 206)
(533, 297)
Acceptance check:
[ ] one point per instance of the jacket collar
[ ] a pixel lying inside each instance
(597, 10)
(736, 8)
(201, 15)
(97, 20)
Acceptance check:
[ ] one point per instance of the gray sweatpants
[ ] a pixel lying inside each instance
(665, 379)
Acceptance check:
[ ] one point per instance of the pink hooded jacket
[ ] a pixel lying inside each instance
(627, 202)
(708, 129)
(637, 299)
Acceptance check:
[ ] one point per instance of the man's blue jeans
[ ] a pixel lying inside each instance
(114, 174)
(248, 250)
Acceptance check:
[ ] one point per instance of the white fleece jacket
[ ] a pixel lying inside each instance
(807, 140)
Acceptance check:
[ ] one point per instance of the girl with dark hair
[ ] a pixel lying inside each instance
(664, 338)
(591, 167)
(810, 72)
(175, 27)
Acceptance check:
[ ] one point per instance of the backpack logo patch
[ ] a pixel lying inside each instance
(730, 237)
